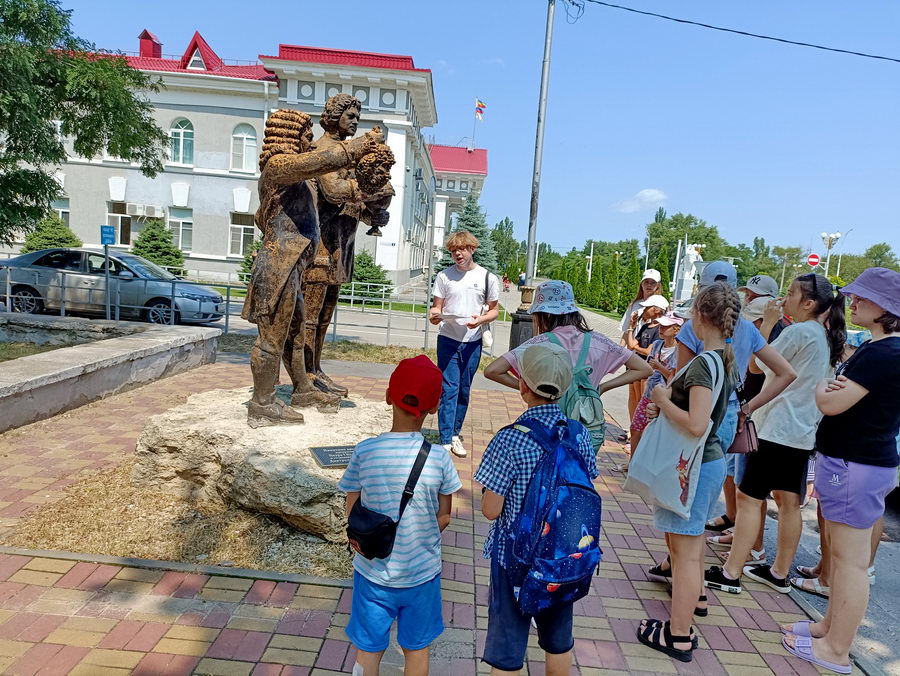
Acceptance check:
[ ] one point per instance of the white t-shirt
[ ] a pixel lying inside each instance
(626, 318)
(792, 417)
(464, 296)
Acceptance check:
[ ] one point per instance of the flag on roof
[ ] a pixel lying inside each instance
(479, 108)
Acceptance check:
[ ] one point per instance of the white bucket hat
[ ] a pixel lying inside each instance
(554, 297)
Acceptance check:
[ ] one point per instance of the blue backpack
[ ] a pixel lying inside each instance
(552, 547)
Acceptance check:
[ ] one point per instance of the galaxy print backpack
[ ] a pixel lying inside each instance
(553, 547)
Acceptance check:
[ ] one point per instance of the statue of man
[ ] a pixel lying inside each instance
(343, 203)
(288, 219)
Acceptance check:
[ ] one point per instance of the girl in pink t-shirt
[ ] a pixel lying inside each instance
(554, 311)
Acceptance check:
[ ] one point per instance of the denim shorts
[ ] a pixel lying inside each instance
(375, 607)
(727, 431)
(709, 486)
(507, 633)
(852, 493)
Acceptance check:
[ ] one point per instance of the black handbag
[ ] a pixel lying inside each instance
(371, 533)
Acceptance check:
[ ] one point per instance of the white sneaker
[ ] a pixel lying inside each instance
(457, 448)
(449, 447)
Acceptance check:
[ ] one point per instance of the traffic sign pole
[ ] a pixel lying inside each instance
(107, 237)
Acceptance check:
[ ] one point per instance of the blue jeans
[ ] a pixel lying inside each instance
(459, 363)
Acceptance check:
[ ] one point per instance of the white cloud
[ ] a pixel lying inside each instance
(648, 198)
(495, 61)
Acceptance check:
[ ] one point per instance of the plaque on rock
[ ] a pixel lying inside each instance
(332, 457)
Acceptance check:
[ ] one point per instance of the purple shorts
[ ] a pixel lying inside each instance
(852, 493)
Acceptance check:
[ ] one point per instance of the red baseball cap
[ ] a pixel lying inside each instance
(418, 378)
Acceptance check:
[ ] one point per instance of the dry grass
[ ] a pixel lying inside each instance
(15, 350)
(346, 350)
(106, 514)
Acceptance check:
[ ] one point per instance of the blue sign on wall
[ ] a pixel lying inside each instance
(107, 234)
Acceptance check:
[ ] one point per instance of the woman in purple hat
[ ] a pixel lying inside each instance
(856, 466)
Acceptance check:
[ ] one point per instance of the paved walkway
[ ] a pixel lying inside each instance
(60, 616)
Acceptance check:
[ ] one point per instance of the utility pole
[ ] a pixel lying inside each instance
(539, 143)
(590, 269)
(647, 255)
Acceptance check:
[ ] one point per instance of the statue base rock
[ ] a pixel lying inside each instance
(204, 451)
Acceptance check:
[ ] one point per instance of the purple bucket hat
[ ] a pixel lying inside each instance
(879, 285)
(554, 298)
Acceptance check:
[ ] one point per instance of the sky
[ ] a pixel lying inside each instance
(754, 137)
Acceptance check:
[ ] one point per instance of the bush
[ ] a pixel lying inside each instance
(367, 271)
(50, 233)
(246, 268)
(155, 244)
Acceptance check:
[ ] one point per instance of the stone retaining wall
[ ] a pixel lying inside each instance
(17, 327)
(42, 385)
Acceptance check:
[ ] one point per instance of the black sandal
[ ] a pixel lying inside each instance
(659, 572)
(725, 525)
(702, 612)
(654, 631)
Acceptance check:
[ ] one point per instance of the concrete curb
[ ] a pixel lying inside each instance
(152, 564)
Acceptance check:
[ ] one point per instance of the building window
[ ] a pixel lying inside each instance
(196, 62)
(332, 89)
(362, 93)
(181, 224)
(451, 184)
(242, 233)
(61, 207)
(439, 183)
(282, 89)
(118, 217)
(463, 185)
(306, 91)
(388, 98)
(243, 148)
(181, 142)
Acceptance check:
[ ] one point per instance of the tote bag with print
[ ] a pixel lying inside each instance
(665, 466)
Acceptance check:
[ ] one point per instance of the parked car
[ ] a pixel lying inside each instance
(50, 278)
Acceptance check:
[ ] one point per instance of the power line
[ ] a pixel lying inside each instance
(577, 4)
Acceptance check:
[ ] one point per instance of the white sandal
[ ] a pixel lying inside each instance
(715, 541)
(817, 587)
(757, 557)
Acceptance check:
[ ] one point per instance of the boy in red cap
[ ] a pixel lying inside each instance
(406, 585)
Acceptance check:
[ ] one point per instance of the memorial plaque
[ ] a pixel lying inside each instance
(332, 457)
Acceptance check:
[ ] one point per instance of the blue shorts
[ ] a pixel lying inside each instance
(375, 607)
(712, 476)
(507, 633)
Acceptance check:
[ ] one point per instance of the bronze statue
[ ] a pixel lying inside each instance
(288, 218)
(346, 197)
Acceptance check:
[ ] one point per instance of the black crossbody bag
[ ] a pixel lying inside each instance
(372, 533)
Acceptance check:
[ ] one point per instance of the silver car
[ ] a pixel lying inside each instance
(75, 279)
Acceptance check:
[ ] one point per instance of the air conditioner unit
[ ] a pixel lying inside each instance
(133, 209)
(152, 211)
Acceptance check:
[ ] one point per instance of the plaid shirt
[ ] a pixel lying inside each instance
(508, 464)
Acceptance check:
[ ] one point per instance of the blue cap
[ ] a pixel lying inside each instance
(718, 271)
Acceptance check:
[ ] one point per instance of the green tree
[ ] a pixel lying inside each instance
(472, 219)
(789, 260)
(630, 281)
(505, 246)
(367, 272)
(662, 265)
(597, 283)
(671, 231)
(246, 268)
(155, 244)
(881, 256)
(611, 286)
(55, 85)
(49, 234)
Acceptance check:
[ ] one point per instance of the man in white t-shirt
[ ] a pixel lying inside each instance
(465, 301)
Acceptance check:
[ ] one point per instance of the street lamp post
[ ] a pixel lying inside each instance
(590, 267)
(829, 240)
(841, 256)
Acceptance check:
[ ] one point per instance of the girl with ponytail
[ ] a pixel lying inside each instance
(688, 403)
(786, 427)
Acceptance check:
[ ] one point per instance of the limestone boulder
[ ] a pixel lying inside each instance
(204, 451)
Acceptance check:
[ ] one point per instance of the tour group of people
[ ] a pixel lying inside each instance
(779, 397)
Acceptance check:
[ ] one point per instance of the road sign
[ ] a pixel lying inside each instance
(107, 234)
(813, 259)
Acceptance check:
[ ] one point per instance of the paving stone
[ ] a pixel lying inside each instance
(292, 657)
(85, 639)
(123, 659)
(233, 583)
(189, 633)
(224, 667)
(50, 565)
(35, 577)
(176, 646)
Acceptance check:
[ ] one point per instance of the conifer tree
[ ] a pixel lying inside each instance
(630, 281)
(50, 233)
(472, 219)
(662, 264)
(155, 244)
(595, 292)
(611, 286)
(246, 268)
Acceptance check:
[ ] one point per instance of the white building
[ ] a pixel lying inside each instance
(215, 112)
(458, 173)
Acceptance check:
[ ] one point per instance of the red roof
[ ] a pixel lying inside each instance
(345, 57)
(214, 65)
(452, 159)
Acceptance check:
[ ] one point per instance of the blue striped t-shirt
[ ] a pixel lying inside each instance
(379, 469)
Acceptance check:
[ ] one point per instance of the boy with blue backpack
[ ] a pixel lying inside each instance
(543, 544)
